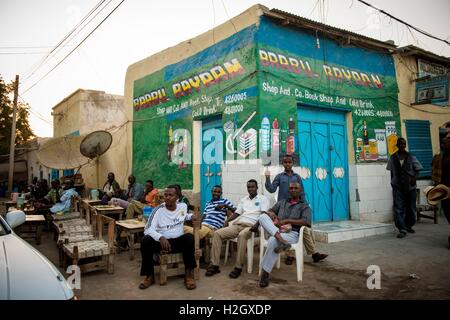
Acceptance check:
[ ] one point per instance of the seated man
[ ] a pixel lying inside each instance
(135, 191)
(247, 213)
(283, 223)
(111, 189)
(181, 197)
(66, 196)
(54, 195)
(50, 198)
(164, 232)
(149, 198)
(214, 215)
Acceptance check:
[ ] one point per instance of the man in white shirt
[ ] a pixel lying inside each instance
(164, 232)
(245, 216)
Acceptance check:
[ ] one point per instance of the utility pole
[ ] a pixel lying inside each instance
(13, 137)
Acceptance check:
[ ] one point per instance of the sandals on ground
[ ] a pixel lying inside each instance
(236, 272)
(212, 270)
(146, 283)
(289, 260)
(189, 283)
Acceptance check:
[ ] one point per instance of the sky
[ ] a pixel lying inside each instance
(139, 28)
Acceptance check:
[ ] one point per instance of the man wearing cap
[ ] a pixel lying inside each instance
(440, 174)
(404, 169)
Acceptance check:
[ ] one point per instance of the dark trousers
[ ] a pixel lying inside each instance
(445, 204)
(183, 244)
(404, 208)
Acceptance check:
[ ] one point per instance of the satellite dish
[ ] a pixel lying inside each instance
(95, 144)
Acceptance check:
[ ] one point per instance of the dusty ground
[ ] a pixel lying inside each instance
(341, 276)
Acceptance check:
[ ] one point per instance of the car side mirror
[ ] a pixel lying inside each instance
(15, 218)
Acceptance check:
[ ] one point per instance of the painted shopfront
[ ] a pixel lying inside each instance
(262, 92)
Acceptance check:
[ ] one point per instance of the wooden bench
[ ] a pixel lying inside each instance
(76, 216)
(171, 264)
(432, 210)
(101, 251)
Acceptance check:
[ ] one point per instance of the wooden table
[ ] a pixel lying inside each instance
(29, 210)
(9, 204)
(13, 204)
(131, 227)
(108, 210)
(32, 227)
(91, 202)
(86, 207)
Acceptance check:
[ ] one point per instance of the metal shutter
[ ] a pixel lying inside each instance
(419, 144)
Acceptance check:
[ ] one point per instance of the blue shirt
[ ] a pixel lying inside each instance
(216, 218)
(283, 180)
(65, 201)
(135, 191)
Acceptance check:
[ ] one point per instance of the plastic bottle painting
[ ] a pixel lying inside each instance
(290, 143)
(366, 148)
(275, 137)
(283, 135)
(265, 134)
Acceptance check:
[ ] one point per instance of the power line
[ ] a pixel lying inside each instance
(87, 23)
(15, 53)
(34, 84)
(33, 47)
(405, 23)
(43, 60)
(36, 113)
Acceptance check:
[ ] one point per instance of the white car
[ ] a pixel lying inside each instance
(26, 274)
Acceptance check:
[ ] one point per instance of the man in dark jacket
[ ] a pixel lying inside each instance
(404, 169)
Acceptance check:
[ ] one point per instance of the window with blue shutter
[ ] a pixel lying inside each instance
(419, 144)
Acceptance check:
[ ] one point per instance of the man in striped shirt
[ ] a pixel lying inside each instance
(214, 215)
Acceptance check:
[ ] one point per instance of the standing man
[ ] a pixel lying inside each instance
(404, 169)
(282, 180)
(440, 174)
(245, 216)
(164, 232)
(214, 215)
(283, 223)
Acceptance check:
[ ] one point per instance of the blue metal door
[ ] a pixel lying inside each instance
(211, 158)
(323, 162)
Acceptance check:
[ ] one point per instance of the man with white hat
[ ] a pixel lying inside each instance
(404, 169)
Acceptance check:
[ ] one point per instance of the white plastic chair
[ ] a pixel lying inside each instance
(250, 247)
(297, 247)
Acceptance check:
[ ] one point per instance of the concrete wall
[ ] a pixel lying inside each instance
(370, 192)
(87, 111)
(235, 175)
(33, 164)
